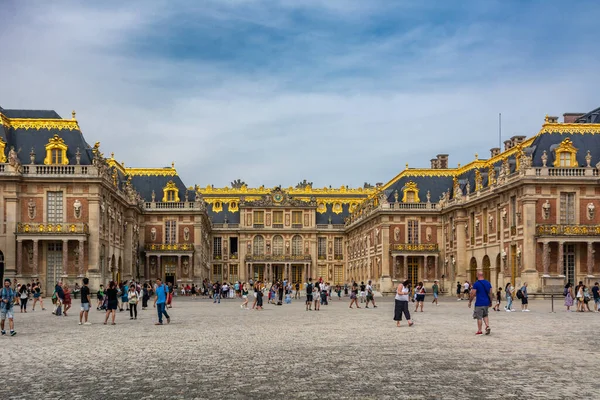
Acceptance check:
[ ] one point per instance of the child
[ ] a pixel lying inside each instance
(317, 298)
(498, 299)
(288, 298)
(100, 296)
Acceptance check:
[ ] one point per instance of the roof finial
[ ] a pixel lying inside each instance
(73, 114)
(173, 164)
(458, 165)
(547, 118)
(112, 155)
(406, 165)
(476, 156)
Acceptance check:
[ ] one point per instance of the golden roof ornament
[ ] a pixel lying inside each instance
(73, 114)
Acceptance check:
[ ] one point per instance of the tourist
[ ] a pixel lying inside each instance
(419, 296)
(401, 303)
(586, 298)
(482, 292)
(466, 290)
(280, 290)
(100, 296)
(217, 292)
(596, 295)
(436, 290)
(237, 289)
(112, 301)
(160, 301)
(23, 296)
(58, 297)
(354, 295)
(579, 296)
(498, 299)
(363, 293)
(524, 298)
(37, 296)
(67, 299)
(370, 295)
(568, 293)
(317, 297)
(86, 300)
(124, 296)
(17, 291)
(458, 291)
(338, 290)
(309, 295)
(244, 304)
(345, 289)
(145, 295)
(258, 287)
(509, 290)
(297, 293)
(132, 297)
(324, 288)
(8, 298)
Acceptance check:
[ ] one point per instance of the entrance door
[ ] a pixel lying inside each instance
(54, 265)
(297, 273)
(259, 272)
(413, 270)
(569, 262)
(487, 273)
(277, 272)
(170, 278)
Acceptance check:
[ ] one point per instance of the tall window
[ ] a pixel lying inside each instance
(277, 219)
(413, 231)
(322, 248)
(170, 196)
(57, 156)
(565, 159)
(217, 247)
(277, 245)
(567, 207)
(233, 273)
(54, 207)
(297, 219)
(513, 211)
(259, 245)
(259, 219)
(297, 245)
(171, 232)
(337, 248)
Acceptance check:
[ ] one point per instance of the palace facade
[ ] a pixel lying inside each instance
(524, 214)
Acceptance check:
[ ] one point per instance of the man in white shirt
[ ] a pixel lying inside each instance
(370, 297)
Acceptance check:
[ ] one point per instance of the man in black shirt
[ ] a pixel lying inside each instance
(60, 298)
(85, 302)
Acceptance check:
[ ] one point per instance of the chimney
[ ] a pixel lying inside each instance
(569, 118)
(507, 145)
(494, 151)
(434, 163)
(442, 161)
(517, 140)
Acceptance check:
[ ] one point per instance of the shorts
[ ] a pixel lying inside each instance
(524, 300)
(480, 312)
(362, 294)
(245, 296)
(111, 305)
(369, 297)
(7, 313)
(353, 296)
(100, 298)
(85, 306)
(597, 301)
(420, 297)
(36, 295)
(309, 298)
(435, 295)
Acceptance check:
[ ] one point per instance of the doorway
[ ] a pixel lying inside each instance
(170, 278)
(513, 264)
(413, 270)
(486, 268)
(569, 262)
(54, 264)
(297, 273)
(278, 272)
(473, 270)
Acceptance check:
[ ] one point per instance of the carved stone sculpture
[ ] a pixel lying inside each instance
(31, 209)
(397, 234)
(186, 233)
(376, 237)
(77, 209)
(588, 159)
(546, 210)
(13, 159)
(428, 234)
(153, 196)
(544, 159)
(591, 211)
(153, 234)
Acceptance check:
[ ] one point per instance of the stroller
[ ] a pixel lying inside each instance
(104, 304)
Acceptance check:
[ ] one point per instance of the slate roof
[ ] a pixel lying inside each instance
(31, 114)
(593, 117)
(219, 218)
(146, 184)
(436, 185)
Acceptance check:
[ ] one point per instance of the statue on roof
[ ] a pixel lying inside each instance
(304, 185)
(367, 185)
(237, 184)
(13, 159)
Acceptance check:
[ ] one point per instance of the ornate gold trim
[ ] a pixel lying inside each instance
(168, 171)
(47, 123)
(114, 163)
(562, 128)
(171, 187)
(566, 146)
(56, 143)
(2, 150)
(410, 187)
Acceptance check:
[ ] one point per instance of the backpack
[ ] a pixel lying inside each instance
(309, 288)
(566, 291)
(519, 294)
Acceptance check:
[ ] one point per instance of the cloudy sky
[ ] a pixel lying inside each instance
(338, 92)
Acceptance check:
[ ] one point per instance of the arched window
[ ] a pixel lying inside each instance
(297, 245)
(277, 245)
(259, 245)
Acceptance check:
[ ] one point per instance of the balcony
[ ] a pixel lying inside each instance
(414, 248)
(296, 226)
(277, 258)
(278, 226)
(568, 230)
(52, 229)
(173, 248)
(330, 226)
(175, 206)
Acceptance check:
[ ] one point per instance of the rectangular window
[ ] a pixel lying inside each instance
(322, 248)
(170, 232)
(233, 273)
(54, 207)
(413, 231)
(259, 219)
(338, 248)
(296, 219)
(217, 247)
(277, 219)
(567, 208)
(233, 246)
(565, 159)
(56, 156)
(170, 196)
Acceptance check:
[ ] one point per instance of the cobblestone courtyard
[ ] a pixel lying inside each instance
(220, 351)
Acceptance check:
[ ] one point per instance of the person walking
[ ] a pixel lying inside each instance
(401, 303)
(317, 297)
(596, 296)
(112, 301)
(458, 291)
(297, 293)
(568, 293)
(498, 299)
(482, 293)
(244, 304)
(509, 291)
(370, 295)
(258, 286)
(419, 296)
(363, 293)
(436, 290)
(145, 295)
(160, 302)
(309, 295)
(37, 297)
(524, 298)
(7, 311)
(86, 300)
(217, 292)
(67, 299)
(100, 296)
(133, 298)
(23, 296)
(59, 296)
(354, 295)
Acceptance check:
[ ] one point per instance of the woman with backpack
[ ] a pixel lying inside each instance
(23, 296)
(568, 293)
(419, 296)
(509, 290)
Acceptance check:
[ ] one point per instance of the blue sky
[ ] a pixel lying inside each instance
(273, 92)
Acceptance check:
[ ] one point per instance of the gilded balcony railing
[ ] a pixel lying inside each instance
(52, 229)
(170, 247)
(416, 248)
(568, 230)
(275, 258)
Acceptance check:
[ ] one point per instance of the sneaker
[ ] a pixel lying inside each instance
(87, 323)
(487, 330)
(478, 333)
(527, 310)
(3, 332)
(168, 320)
(508, 311)
(158, 323)
(13, 333)
(79, 323)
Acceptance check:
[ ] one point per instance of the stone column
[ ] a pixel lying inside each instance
(405, 267)
(435, 267)
(590, 258)
(35, 258)
(462, 264)
(561, 256)
(65, 256)
(528, 218)
(178, 272)
(95, 215)
(159, 268)
(81, 258)
(147, 267)
(546, 258)
(19, 257)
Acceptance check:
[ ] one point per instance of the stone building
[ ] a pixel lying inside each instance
(524, 214)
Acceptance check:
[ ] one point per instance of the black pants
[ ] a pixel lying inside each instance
(133, 310)
(145, 301)
(24, 304)
(401, 307)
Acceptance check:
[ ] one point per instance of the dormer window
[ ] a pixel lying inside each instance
(56, 152)
(411, 193)
(566, 154)
(170, 193)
